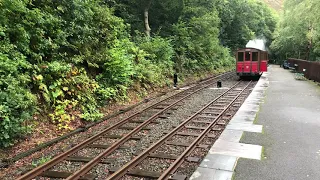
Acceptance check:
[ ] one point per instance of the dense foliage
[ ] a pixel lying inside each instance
(298, 34)
(64, 59)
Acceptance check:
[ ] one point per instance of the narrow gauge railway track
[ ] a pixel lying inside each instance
(208, 121)
(142, 118)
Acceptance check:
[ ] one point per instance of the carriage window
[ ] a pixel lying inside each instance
(247, 56)
(240, 56)
(254, 56)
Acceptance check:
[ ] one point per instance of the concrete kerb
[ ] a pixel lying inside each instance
(220, 162)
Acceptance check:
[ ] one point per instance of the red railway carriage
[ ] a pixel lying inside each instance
(251, 62)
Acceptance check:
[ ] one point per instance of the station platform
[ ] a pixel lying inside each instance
(275, 135)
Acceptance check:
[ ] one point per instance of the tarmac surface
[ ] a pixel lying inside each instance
(290, 116)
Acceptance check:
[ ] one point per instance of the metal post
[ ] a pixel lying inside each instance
(219, 84)
(175, 80)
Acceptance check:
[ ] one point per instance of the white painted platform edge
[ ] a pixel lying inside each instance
(245, 117)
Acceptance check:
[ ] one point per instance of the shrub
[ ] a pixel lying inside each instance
(159, 51)
(66, 88)
(17, 103)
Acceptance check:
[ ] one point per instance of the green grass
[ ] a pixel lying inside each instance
(40, 161)
(262, 153)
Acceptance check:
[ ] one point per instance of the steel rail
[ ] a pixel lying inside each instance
(177, 163)
(89, 165)
(40, 169)
(138, 159)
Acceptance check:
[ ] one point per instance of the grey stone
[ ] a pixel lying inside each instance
(236, 149)
(219, 162)
(231, 135)
(211, 174)
(245, 127)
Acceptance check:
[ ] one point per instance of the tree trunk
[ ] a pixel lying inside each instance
(146, 18)
(310, 29)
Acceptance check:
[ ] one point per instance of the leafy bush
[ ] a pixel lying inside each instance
(16, 102)
(53, 51)
(66, 88)
(153, 59)
(159, 50)
(196, 41)
(116, 72)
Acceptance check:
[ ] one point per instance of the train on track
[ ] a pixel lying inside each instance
(251, 62)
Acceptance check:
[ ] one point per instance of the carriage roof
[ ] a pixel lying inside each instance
(250, 49)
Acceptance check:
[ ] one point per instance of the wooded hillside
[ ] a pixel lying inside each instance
(298, 34)
(65, 59)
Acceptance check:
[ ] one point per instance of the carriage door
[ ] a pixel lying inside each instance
(264, 62)
(240, 62)
(247, 62)
(255, 62)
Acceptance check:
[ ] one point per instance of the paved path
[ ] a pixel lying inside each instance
(290, 116)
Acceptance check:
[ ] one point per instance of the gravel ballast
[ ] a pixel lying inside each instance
(148, 137)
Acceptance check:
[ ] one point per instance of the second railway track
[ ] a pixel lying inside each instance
(117, 134)
(197, 132)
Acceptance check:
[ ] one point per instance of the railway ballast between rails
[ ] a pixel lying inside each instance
(230, 96)
(162, 106)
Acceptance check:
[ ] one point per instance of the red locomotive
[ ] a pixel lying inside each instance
(251, 62)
